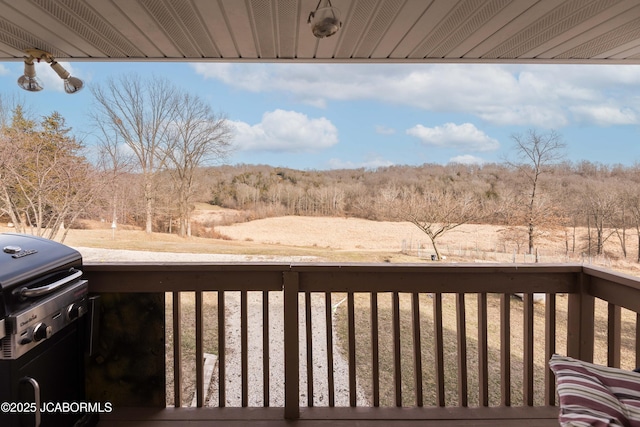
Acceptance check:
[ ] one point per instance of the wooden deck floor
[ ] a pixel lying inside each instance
(335, 417)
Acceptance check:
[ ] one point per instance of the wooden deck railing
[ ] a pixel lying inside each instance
(456, 335)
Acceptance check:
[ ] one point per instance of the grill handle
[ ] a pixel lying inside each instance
(36, 394)
(44, 290)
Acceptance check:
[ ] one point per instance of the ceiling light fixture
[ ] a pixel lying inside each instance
(325, 20)
(29, 81)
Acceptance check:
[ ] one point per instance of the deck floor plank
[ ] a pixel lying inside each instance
(332, 417)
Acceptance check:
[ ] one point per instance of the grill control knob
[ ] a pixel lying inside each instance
(74, 311)
(41, 332)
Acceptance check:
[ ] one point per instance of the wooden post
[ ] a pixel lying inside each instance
(461, 322)
(397, 354)
(528, 320)
(291, 360)
(505, 349)
(222, 372)
(265, 349)
(199, 352)
(244, 348)
(483, 351)
(550, 348)
(177, 350)
(580, 322)
(614, 335)
(439, 349)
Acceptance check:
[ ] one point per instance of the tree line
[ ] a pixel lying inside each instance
(527, 203)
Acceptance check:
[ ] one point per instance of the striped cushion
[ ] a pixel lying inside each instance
(594, 395)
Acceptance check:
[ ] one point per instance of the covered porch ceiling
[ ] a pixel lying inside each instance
(421, 31)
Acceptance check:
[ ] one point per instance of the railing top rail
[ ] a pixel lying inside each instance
(313, 277)
(453, 278)
(184, 277)
(616, 288)
(612, 276)
(443, 267)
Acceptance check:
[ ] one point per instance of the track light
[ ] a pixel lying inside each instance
(325, 20)
(29, 81)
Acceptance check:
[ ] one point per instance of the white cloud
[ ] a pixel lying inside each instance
(285, 131)
(464, 137)
(4, 71)
(467, 159)
(384, 130)
(528, 95)
(604, 115)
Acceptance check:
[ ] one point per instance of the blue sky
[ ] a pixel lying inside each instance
(327, 116)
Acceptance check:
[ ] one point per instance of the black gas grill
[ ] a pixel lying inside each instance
(43, 307)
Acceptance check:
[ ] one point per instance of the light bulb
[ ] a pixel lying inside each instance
(73, 84)
(29, 81)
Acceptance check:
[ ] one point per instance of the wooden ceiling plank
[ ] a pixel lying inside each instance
(305, 41)
(378, 27)
(121, 23)
(195, 38)
(39, 24)
(287, 36)
(465, 25)
(217, 24)
(605, 42)
(139, 17)
(9, 52)
(533, 11)
(263, 16)
(613, 17)
(434, 12)
(397, 31)
(242, 30)
(621, 52)
(359, 19)
(506, 15)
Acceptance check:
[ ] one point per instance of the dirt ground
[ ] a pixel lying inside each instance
(467, 243)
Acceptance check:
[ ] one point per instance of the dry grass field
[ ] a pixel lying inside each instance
(331, 239)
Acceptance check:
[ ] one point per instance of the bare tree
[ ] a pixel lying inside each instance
(115, 164)
(439, 211)
(536, 153)
(633, 202)
(197, 137)
(601, 205)
(139, 112)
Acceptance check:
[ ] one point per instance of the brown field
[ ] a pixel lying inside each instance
(351, 240)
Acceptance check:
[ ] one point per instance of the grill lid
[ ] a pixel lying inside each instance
(27, 260)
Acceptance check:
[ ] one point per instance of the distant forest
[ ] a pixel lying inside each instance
(603, 198)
